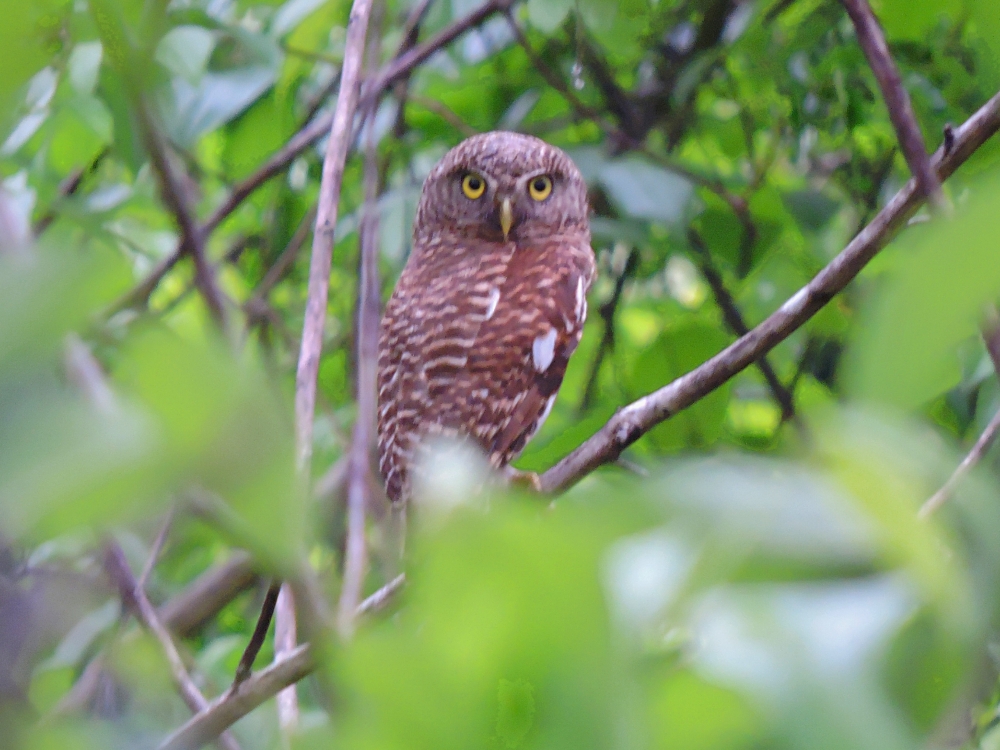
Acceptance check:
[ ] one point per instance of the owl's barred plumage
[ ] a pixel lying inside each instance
(478, 332)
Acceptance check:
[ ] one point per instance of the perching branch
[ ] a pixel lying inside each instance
(633, 421)
(897, 100)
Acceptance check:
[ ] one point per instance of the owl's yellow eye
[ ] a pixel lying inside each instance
(473, 186)
(540, 187)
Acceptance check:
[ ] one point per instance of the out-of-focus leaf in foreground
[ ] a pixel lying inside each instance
(907, 352)
(725, 604)
(186, 414)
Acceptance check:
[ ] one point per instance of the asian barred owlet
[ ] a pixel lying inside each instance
(490, 306)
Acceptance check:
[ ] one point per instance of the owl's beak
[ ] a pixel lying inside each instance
(506, 217)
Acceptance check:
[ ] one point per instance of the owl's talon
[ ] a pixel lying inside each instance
(528, 480)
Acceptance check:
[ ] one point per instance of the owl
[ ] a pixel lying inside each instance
(490, 306)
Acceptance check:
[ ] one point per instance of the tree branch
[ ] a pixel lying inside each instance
(634, 420)
(607, 312)
(323, 236)
(135, 599)
(255, 305)
(369, 310)
(381, 598)
(173, 195)
(208, 594)
(897, 100)
(229, 708)
(284, 671)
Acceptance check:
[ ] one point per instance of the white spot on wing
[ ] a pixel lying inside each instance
(543, 350)
(492, 305)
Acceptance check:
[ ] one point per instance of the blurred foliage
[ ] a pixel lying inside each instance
(764, 583)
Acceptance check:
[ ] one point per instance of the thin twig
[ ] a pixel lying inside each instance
(67, 188)
(249, 656)
(135, 599)
(174, 196)
(583, 111)
(734, 320)
(326, 222)
(991, 337)
(381, 598)
(285, 636)
(359, 479)
(254, 305)
(634, 420)
(607, 312)
(980, 449)
(444, 112)
(408, 40)
(154, 551)
(897, 100)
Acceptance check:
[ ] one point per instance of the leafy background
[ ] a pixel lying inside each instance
(757, 578)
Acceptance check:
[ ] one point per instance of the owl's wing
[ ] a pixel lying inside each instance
(548, 307)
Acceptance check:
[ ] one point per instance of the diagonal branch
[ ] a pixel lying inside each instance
(897, 100)
(173, 194)
(135, 599)
(226, 710)
(634, 420)
(284, 671)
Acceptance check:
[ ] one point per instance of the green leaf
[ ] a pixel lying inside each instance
(184, 51)
(28, 37)
(906, 351)
(912, 19)
(548, 15)
(646, 191)
(675, 352)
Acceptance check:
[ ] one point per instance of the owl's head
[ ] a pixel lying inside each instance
(502, 186)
